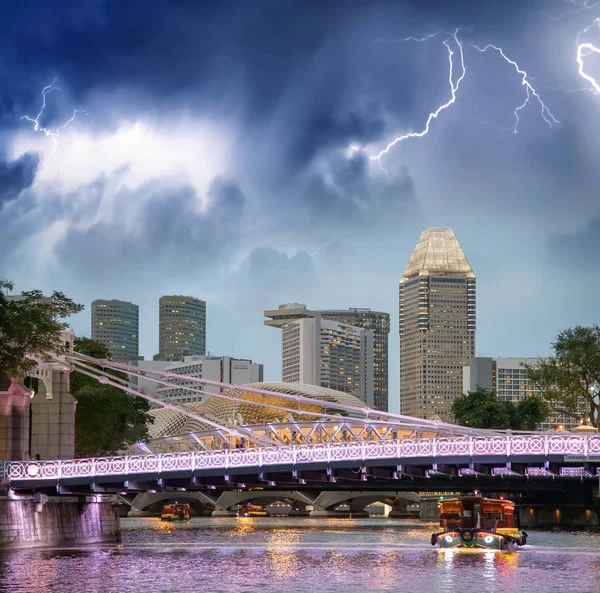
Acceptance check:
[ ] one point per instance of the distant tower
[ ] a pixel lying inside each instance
(437, 325)
(181, 327)
(319, 351)
(116, 325)
(380, 324)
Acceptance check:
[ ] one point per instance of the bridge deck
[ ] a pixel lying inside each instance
(538, 456)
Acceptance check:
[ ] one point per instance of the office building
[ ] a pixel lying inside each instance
(507, 378)
(379, 323)
(181, 327)
(318, 351)
(437, 325)
(224, 369)
(116, 325)
(144, 384)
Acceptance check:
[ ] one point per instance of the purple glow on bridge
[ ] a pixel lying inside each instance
(298, 455)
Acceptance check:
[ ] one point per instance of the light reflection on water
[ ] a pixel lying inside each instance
(318, 555)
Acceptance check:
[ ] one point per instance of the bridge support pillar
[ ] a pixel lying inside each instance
(429, 510)
(399, 509)
(33, 521)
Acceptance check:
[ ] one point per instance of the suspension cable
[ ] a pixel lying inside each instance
(421, 424)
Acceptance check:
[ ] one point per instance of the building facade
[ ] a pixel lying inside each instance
(437, 325)
(507, 378)
(317, 351)
(379, 323)
(214, 368)
(116, 325)
(181, 327)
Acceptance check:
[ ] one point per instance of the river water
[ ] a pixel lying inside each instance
(267, 555)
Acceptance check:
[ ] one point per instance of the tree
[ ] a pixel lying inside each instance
(107, 419)
(30, 326)
(529, 413)
(569, 379)
(483, 409)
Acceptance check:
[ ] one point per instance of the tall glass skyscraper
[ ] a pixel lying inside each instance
(116, 325)
(437, 325)
(181, 327)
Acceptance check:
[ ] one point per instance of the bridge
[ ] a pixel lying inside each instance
(320, 449)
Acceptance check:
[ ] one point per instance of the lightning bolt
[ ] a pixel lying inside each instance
(50, 132)
(585, 49)
(529, 89)
(454, 85)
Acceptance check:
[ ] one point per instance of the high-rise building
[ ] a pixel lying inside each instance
(181, 327)
(318, 351)
(380, 324)
(437, 325)
(116, 325)
(507, 378)
(214, 368)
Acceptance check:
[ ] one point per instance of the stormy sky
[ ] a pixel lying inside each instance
(225, 150)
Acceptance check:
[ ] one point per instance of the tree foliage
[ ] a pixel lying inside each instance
(107, 418)
(30, 326)
(570, 378)
(483, 409)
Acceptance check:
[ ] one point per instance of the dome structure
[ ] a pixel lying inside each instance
(228, 412)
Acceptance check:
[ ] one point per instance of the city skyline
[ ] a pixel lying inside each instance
(260, 183)
(272, 364)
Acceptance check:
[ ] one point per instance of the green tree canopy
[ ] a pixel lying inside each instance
(30, 325)
(483, 409)
(570, 378)
(107, 418)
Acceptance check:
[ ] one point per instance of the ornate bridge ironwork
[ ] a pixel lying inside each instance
(456, 452)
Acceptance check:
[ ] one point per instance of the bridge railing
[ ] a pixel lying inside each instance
(436, 448)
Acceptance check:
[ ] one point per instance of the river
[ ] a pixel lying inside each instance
(268, 555)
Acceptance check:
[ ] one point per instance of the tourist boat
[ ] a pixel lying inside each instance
(477, 522)
(251, 510)
(176, 512)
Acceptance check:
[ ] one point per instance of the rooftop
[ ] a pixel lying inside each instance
(437, 252)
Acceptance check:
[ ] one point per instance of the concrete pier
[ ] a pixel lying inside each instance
(38, 520)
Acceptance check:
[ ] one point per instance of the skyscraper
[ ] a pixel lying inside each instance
(437, 325)
(380, 324)
(116, 325)
(323, 352)
(181, 327)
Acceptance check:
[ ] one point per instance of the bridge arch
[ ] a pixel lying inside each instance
(146, 499)
(233, 498)
(328, 501)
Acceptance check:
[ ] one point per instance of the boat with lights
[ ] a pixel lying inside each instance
(251, 510)
(176, 512)
(477, 522)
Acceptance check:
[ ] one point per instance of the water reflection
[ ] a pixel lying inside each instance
(257, 555)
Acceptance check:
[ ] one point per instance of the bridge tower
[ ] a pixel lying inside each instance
(41, 421)
(52, 434)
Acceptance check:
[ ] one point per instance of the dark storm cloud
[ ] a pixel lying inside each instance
(329, 128)
(349, 191)
(17, 175)
(579, 250)
(159, 223)
(207, 54)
